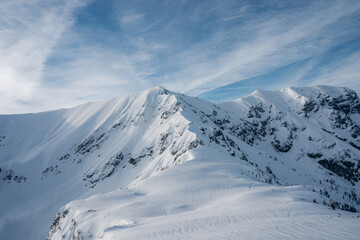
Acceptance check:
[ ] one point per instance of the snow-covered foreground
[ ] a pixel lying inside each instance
(204, 199)
(158, 164)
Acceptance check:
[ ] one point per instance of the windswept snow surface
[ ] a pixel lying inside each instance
(162, 165)
(204, 199)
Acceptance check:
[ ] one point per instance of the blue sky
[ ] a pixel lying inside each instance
(58, 54)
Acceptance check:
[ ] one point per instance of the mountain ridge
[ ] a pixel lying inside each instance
(282, 138)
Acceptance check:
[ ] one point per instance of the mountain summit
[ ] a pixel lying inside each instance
(160, 165)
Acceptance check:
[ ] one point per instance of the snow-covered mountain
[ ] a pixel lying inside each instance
(160, 165)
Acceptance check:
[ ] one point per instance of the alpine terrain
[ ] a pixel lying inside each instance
(162, 165)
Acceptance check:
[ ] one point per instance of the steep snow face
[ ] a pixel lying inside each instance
(49, 159)
(307, 137)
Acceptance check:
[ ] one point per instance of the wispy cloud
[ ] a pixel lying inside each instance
(274, 41)
(110, 48)
(130, 18)
(29, 30)
(344, 73)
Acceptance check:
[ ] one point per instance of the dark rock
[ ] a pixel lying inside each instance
(346, 170)
(314, 155)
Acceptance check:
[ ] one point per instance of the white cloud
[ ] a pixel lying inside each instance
(275, 40)
(130, 18)
(344, 73)
(157, 45)
(29, 30)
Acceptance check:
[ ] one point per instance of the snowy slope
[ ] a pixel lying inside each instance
(52, 158)
(304, 141)
(204, 199)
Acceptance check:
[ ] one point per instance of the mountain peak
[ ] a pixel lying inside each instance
(156, 90)
(324, 90)
(313, 91)
(300, 95)
(295, 136)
